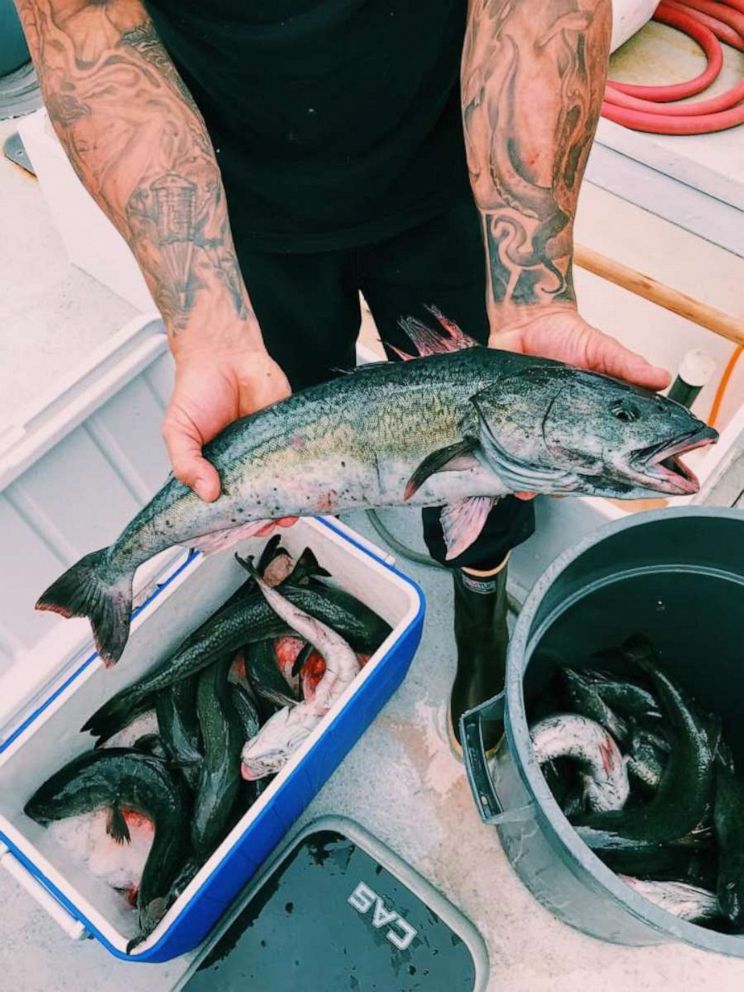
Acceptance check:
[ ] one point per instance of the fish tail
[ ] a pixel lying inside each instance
(89, 590)
(115, 714)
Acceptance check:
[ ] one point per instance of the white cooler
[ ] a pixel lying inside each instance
(72, 472)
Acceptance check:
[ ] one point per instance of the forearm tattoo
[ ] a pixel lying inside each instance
(533, 75)
(139, 144)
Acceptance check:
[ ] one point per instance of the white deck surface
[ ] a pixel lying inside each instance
(400, 781)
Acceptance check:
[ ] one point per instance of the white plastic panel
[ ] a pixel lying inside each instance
(24, 558)
(159, 377)
(125, 429)
(76, 496)
(73, 470)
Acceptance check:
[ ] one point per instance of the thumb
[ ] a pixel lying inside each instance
(189, 465)
(606, 354)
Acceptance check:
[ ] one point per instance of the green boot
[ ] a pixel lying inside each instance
(482, 637)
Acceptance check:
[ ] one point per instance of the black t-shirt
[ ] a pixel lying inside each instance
(336, 122)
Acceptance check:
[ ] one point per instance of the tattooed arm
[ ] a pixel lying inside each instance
(139, 145)
(533, 74)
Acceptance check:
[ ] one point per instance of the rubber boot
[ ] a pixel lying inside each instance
(482, 637)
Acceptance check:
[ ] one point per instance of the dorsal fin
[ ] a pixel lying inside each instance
(270, 551)
(431, 342)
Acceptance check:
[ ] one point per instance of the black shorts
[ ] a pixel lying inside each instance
(308, 307)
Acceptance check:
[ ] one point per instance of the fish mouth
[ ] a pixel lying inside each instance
(659, 467)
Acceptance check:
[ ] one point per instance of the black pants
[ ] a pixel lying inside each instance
(308, 309)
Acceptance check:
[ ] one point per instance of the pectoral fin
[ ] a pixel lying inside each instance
(301, 658)
(218, 540)
(463, 521)
(453, 458)
(117, 827)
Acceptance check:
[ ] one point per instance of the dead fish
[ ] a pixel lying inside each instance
(250, 619)
(140, 721)
(287, 649)
(219, 770)
(686, 902)
(283, 733)
(666, 864)
(728, 819)
(585, 699)
(120, 779)
(626, 698)
(647, 757)
(568, 735)
(684, 797)
(459, 429)
(265, 679)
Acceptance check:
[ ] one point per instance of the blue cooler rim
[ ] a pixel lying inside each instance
(39, 875)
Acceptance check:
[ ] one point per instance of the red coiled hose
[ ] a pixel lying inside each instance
(647, 108)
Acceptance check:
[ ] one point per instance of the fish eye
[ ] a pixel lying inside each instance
(625, 410)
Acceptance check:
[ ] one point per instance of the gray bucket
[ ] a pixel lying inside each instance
(676, 576)
(13, 49)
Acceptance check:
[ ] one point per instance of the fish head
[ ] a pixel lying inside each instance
(40, 811)
(551, 428)
(51, 801)
(268, 752)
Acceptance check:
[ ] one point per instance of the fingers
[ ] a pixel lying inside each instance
(189, 466)
(270, 526)
(607, 355)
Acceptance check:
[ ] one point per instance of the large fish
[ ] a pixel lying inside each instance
(684, 796)
(457, 430)
(585, 699)
(568, 735)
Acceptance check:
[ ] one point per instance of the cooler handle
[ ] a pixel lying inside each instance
(72, 927)
(476, 763)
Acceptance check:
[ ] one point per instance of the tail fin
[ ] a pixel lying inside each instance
(85, 590)
(117, 713)
(307, 567)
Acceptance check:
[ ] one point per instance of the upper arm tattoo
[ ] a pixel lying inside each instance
(532, 82)
(138, 142)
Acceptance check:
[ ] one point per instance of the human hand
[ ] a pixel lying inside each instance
(561, 334)
(215, 385)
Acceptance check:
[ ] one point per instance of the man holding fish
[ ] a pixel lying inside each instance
(428, 156)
